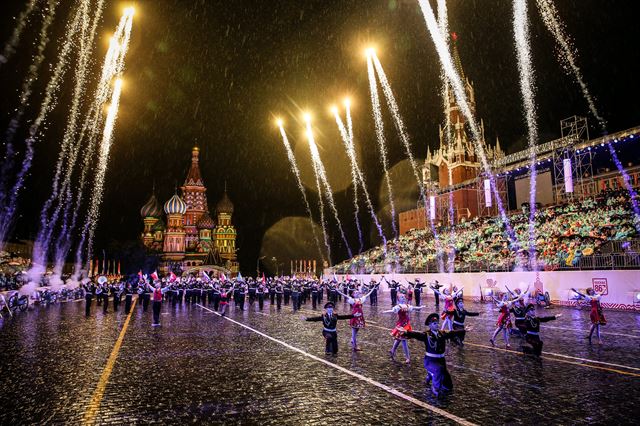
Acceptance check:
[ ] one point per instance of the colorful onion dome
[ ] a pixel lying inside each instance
(175, 205)
(205, 222)
(225, 205)
(151, 208)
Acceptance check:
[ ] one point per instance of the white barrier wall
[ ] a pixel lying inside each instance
(621, 289)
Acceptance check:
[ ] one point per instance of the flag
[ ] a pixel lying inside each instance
(172, 277)
(240, 277)
(154, 275)
(140, 274)
(206, 276)
(223, 277)
(263, 278)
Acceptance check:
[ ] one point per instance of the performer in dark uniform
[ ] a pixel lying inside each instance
(287, 292)
(105, 298)
(252, 292)
(216, 297)
(89, 288)
(417, 290)
(272, 293)
(260, 291)
(314, 295)
(459, 315)
(128, 295)
(279, 290)
(533, 344)
(434, 361)
(295, 296)
(373, 289)
(329, 330)
(115, 291)
(436, 287)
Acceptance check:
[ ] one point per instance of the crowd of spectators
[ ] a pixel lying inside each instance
(565, 235)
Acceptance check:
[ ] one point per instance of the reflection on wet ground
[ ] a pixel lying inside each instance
(269, 367)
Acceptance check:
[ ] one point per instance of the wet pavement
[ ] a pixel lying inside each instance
(269, 367)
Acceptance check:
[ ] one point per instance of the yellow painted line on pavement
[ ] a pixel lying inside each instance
(94, 405)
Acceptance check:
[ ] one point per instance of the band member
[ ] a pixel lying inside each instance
(533, 344)
(216, 296)
(261, 291)
(89, 288)
(128, 296)
(279, 291)
(329, 330)
(596, 315)
(434, 360)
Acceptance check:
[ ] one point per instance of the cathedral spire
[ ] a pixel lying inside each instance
(456, 56)
(193, 177)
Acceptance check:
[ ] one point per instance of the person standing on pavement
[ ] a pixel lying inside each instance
(157, 305)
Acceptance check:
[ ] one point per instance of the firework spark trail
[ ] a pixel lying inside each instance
(49, 101)
(567, 58)
(10, 47)
(25, 95)
(525, 68)
(322, 174)
(60, 193)
(66, 155)
(323, 220)
(404, 137)
(296, 173)
(74, 144)
(348, 140)
(103, 159)
(95, 201)
(459, 93)
(443, 25)
(377, 118)
(349, 147)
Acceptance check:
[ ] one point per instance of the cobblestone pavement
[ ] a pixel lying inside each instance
(200, 367)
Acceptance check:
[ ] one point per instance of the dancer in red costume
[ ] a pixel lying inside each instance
(357, 322)
(402, 325)
(504, 320)
(596, 315)
(449, 306)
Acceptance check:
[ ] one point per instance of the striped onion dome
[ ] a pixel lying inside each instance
(175, 205)
(205, 222)
(151, 208)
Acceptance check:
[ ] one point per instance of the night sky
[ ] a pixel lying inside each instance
(216, 73)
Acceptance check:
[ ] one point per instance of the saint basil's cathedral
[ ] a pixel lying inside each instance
(191, 240)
